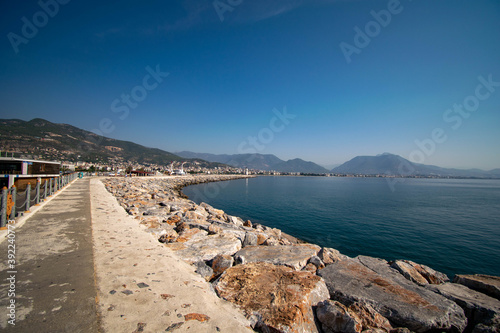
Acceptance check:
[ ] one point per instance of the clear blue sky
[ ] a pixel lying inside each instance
(226, 76)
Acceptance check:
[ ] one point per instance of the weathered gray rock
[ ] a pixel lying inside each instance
(133, 211)
(214, 229)
(335, 317)
(405, 304)
(258, 226)
(487, 284)
(199, 224)
(236, 220)
(194, 215)
(316, 261)
(205, 248)
(204, 270)
(370, 318)
(182, 226)
(492, 326)
(250, 239)
(478, 307)
(220, 263)
(295, 256)
(238, 231)
(329, 255)
(432, 276)
(191, 235)
(284, 241)
(358, 317)
(271, 241)
(409, 272)
(276, 298)
(168, 236)
(214, 213)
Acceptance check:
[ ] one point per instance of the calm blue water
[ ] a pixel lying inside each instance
(451, 225)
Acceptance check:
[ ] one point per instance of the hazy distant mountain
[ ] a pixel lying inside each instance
(40, 137)
(298, 165)
(495, 173)
(265, 162)
(394, 165)
(330, 166)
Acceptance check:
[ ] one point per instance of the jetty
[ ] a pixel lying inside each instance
(135, 255)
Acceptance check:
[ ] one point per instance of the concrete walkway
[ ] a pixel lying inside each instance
(84, 265)
(143, 286)
(55, 289)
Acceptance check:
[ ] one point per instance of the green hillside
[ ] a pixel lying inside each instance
(47, 140)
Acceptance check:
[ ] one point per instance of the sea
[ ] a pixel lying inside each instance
(451, 225)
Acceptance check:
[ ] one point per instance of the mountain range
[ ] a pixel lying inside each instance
(52, 141)
(65, 142)
(266, 162)
(394, 165)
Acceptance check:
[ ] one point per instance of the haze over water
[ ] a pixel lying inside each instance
(450, 225)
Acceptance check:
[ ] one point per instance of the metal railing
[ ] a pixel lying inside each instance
(13, 202)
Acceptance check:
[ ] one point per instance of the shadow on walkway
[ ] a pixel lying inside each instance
(54, 284)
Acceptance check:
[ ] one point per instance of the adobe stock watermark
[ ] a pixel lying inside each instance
(210, 191)
(251, 145)
(453, 116)
(30, 28)
(372, 29)
(254, 144)
(223, 6)
(127, 101)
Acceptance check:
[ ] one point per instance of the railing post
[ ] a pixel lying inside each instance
(37, 197)
(45, 190)
(14, 199)
(3, 208)
(28, 198)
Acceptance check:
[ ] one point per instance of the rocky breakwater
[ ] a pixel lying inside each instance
(285, 285)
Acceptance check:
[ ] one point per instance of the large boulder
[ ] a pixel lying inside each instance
(215, 214)
(329, 255)
(275, 298)
(205, 248)
(204, 270)
(238, 221)
(405, 304)
(335, 317)
(487, 284)
(479, 308)
(409, 272)
(295, 256)
(220, 263)
(168, 236)
(250, 239)
(493, 326)
(419, 273)
(357, 318)
(195, 215)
